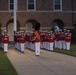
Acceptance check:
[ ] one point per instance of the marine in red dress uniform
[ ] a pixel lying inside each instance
(51, 40)
(5, 40)
(60, 39)
(37, 39)
(68, 39)
(27, 39)
(42, 40)
(55, 43)
(32, 42)
(22, 42)
(17, 38)
(63, 39)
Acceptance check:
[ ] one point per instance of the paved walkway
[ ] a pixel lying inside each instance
(48, 63)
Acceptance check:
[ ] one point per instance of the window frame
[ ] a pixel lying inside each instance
(13, 6)
(34, 6)
(60, 6)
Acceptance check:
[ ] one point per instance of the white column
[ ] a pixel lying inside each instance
(15, 18)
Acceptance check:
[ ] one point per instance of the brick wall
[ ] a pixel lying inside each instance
(41, 15)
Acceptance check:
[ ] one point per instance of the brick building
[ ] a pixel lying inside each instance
(47, 12)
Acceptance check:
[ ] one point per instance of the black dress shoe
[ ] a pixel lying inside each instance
(5, 52)
(22, 51)
(36, 55)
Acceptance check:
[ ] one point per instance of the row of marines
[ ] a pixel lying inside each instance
(49, 40)
(39, 39)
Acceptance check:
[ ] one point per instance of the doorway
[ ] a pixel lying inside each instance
(10, 29)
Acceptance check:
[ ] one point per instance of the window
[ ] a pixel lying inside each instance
(31, 4)
(57, 5)
(11, 4)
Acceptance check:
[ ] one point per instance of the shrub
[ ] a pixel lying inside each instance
(73, 31)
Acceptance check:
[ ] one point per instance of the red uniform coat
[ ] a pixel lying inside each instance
(43, 37)
(32, 38)
(18, 38)
(26, 37)
(68, 38)
(61, 36)
(36, 35)
(51, 38)
(5, 38)
(22, 39)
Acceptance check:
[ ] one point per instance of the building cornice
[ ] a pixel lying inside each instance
(41, 11)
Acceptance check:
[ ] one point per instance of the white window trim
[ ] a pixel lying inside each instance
(34, 6)
(9, 6)
(54, 5)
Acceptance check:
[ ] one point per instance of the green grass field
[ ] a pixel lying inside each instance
(6, 67)
(71, 52)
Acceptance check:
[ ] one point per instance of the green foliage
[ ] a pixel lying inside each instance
(6, 67)
(73, 31)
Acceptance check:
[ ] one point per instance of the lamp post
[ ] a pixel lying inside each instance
(72, 10)
(15, 17)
